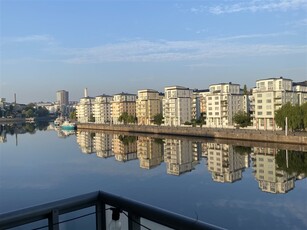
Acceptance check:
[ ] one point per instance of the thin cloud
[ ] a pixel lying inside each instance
(161, 51)
(253, 6)
(249, 36)
(30, 38)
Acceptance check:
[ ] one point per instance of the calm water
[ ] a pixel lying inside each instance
(229, 185)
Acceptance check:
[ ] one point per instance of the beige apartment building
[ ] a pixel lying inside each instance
(149, 152)
(122, 102)
(102, 109)
(177, 105)
(224, 163)
(223, 101)
(148, 104)
(269, 95)
(270, 178)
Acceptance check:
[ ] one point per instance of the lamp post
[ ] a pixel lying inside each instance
(286, 127)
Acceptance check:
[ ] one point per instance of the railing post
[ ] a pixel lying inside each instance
(53, 220)
(134, 222)
(100, 216)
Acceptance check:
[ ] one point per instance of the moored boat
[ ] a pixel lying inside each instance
(68, 125)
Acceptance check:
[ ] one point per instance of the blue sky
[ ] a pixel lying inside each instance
(114, 46)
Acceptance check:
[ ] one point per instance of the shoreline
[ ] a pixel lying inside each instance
(216, 133)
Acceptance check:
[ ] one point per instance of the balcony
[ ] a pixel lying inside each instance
(137, 213)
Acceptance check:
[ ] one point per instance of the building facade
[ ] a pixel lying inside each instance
(102, 109)
(222, 102)
(84, 110)
(269, 96)
(122, 103)
(177, 105)
(148, 104)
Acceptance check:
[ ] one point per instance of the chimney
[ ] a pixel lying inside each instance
(15, 98)
(85, 92)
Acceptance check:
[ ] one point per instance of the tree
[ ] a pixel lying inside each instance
(295, 115)
(242, 119)
(126, 118)
(245, 91)
(158, 119)
(304, 114)
(73, 115)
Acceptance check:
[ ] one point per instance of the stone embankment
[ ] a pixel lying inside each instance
(233, 134)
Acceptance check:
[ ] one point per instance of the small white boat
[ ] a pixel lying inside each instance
(68, 125)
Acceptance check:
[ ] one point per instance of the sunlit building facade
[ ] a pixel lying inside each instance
(149, 152)
(102, 109)
(177, 105)
(223, 101)
(121, 103)
(148, 104)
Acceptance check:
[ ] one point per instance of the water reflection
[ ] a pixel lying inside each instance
(275, 170)
(20, 128)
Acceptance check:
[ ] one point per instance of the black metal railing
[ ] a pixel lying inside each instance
(99, 200)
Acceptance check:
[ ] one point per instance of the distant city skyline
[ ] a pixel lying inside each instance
(114, 46)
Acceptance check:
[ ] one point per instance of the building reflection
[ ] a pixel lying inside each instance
(124, 147)
(149, 152)
(271, 178)
(103, 145)
(275, 170)
(85, 140)
(2, 134)
(224, 163)
(178, 156)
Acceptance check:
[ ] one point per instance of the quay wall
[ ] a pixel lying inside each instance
(232, 134)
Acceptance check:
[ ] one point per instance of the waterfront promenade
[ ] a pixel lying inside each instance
(218, 133)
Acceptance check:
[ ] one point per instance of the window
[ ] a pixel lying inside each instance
(259, 106)
(268, 101)
(216, 102)
(217, 113)
(259, 113)
(269, 113)
(259, 95)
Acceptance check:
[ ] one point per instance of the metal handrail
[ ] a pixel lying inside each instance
(99, 199)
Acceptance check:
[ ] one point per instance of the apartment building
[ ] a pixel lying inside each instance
(148, 104)
(102, 109)
(122, 102)
(177, 105)
(301, 89)
(84, 109)
(270, 178)
(223, 101)
(269, 95)
(149, 152)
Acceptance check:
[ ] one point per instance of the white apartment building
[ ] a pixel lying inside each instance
(123, 149)
(122, 102)
(102, 109)
(269, 95)
(177, 105)
(301, 89)
(148, 104)
(84, 109)
(223, 101)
